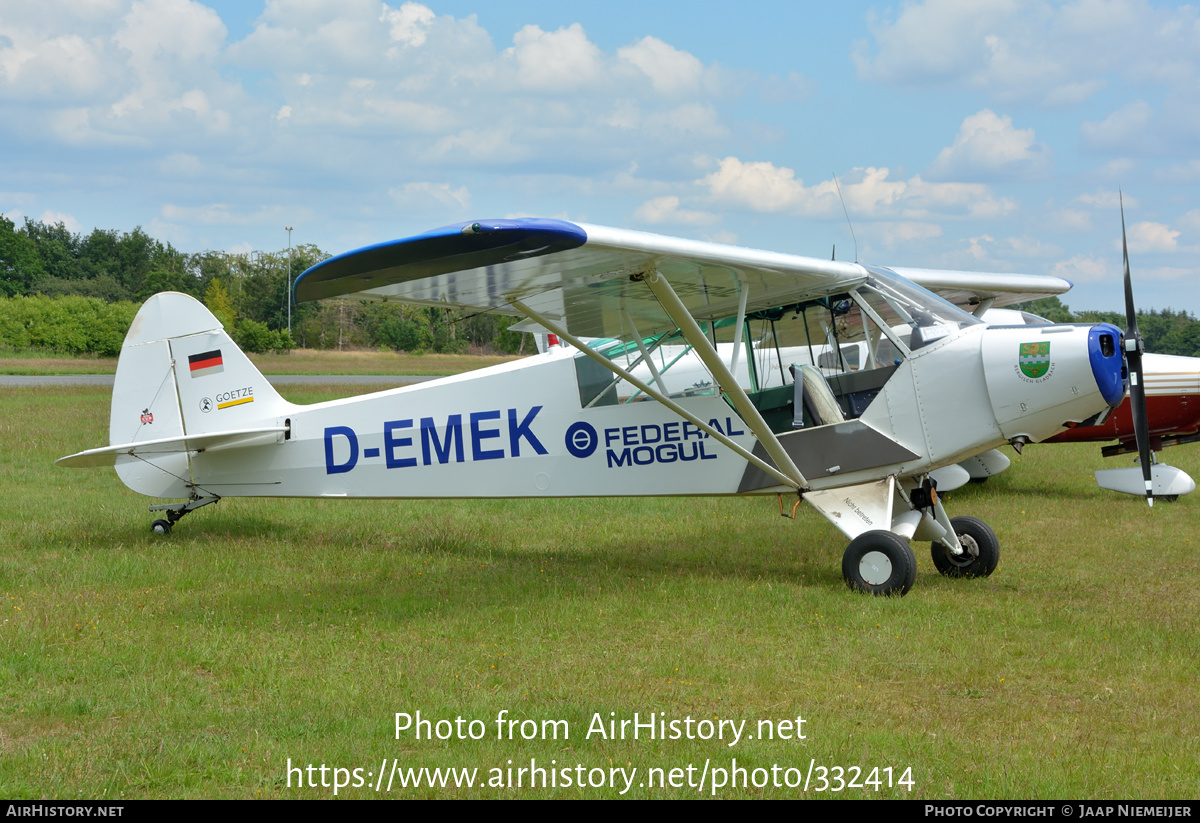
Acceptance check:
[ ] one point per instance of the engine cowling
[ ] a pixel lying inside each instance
(1042, 378)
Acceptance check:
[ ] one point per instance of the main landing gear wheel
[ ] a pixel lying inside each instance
(162, 527)
(879, 562)
(981, 550)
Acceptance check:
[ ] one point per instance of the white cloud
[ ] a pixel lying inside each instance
(1053, 54)
(1107, 199)
(988, 147)
(117, 72)
(1118, 169)
(975, 246)
(761, 186)
(689, 119)
(340, 85)
(1129, 128)
(869, 193)
(897, 233)
(67, 66)
(54, 217)
(1082, 268)
(666, 210)
(224, 214)
(425, 194)
(1151, 237)
(790, 89)
(670, 70)
(721, 236)
(408, 25)
(158, 32)
(181, 164)
(1179, 174)
(559, 60)
(1167, 273)
(1031, 247)
(1191, 220)
(494, 145)
(1070, 220)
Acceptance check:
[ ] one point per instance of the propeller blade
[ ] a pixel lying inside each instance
(1134, 346)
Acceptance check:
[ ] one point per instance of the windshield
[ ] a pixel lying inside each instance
(901, 303)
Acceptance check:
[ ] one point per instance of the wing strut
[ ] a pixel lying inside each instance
(738, 342)
(641, 344)
(682, 318)
(661, 398)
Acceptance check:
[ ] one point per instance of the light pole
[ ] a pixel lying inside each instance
(289, 279)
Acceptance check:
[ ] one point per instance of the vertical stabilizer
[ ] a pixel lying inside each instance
(180, 373)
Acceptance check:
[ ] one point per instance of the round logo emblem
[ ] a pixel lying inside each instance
(205, 405)
(581, 439)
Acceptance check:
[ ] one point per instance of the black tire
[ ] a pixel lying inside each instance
(878, 562)
(970, 530)
(161, 527)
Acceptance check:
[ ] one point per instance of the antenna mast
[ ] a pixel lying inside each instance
(847, 213)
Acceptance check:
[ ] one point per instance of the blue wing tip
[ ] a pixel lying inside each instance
(538, 235)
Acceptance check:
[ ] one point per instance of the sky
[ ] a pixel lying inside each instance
(982, 135)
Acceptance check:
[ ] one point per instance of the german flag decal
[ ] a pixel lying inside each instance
(206, 363)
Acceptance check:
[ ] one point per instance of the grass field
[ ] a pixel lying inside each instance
(300, 361)
(261, 631)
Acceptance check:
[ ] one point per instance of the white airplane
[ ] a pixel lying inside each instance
(192, 418)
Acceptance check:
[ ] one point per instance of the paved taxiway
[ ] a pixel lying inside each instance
(274, 379)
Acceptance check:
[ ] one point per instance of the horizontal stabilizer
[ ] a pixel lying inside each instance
(108, 455)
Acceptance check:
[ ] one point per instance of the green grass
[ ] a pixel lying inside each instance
(34, 362)
(197, 665)
(300, 361)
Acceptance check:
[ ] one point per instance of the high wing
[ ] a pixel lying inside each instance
(976, 292)
(588, 278)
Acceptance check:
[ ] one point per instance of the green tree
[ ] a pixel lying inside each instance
(57, 247)
(1050, 308)
(255, 337)
(218, 302)
(20, 264)
(161, 280)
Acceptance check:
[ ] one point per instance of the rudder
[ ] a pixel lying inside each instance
(180, 373)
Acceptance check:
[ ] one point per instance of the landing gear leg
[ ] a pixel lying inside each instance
(175, 512)
(981, 550)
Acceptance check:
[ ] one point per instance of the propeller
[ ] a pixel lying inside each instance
(1134, 347)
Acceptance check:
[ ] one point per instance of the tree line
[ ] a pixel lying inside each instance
(76, 294)
(1165, 331)
(56, 285)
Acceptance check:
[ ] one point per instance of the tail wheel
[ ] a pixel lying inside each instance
(981, 550)
(878, 562)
